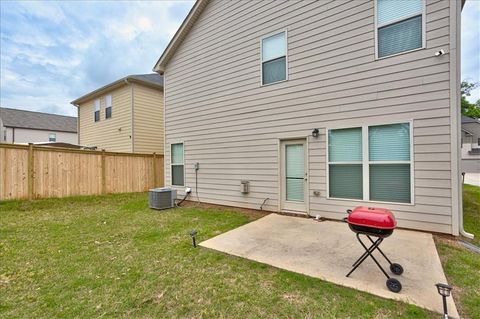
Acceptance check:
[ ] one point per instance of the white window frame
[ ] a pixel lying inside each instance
(97, 107)
(261, 56)
(366, 164)
(177, 164)
(378, 26)
(50, 136)
(108, 97)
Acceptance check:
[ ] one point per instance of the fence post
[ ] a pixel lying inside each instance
(30, 171)
(104, 175)
(154, 169)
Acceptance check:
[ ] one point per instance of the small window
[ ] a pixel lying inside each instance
(177, 166)
(108, 106)
(274, 58)
(52, 137)
(399, 26)
(5, 135)
(96, 110)
(478, 141)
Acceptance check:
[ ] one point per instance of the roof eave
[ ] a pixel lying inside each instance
(179, 35)
(111, 86)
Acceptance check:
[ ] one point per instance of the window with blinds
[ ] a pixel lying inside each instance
(399, 26)
(108, 106)
(377, 170)
(345, 163)
(274, 58)
(96, 110)
(295, 171)
(177, 164)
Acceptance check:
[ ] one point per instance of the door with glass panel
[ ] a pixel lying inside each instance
(293, 176)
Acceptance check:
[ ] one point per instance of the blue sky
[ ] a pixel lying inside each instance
(53, 52)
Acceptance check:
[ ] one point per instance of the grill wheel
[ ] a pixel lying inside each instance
(397, 269)
(394, 285)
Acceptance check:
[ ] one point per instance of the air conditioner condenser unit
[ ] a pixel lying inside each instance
(162, 198)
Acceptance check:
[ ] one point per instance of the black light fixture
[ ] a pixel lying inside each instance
(315, 133)
(193, 233)
(444, 291)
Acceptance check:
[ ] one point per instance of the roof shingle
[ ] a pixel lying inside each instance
(37, 120)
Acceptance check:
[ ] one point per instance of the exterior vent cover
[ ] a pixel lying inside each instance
(162, 198)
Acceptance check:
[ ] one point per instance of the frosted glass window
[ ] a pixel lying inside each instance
(177, 165)
(389, 142)
(274, 58)
(400, 26)
(295, 171)
(345, 145)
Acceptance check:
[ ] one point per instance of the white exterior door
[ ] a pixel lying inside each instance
(293, 174)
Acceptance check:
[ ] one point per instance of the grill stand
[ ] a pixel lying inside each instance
(393, 284)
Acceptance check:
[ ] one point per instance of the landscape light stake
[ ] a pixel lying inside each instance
(193, 233)
(444, 291)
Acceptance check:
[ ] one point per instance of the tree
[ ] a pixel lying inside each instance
(469, 109)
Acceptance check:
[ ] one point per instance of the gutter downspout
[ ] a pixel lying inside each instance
(457, 10)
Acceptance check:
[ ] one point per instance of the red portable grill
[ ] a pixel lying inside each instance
(374, 222)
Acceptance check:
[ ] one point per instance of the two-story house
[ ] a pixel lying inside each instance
(315, 107)
(21, 127)
(123, 116)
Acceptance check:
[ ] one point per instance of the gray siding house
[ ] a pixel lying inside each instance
(315, 107)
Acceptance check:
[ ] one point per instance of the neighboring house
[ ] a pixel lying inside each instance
(123, 116)
(316, 107)
(470, 145)
(19, 126)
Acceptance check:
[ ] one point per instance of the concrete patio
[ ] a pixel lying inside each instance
(326, 250)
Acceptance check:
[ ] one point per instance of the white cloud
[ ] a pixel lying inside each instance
(53, 52)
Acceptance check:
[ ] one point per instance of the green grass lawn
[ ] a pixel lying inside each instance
(461, 266)
(112, 257)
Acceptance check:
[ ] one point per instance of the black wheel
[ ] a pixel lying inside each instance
(394, 285)
(397, 269)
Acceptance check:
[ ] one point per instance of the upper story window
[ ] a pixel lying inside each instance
(274, 58)
(108, 106)
(400, 26)
(96, 110)
(52, 137)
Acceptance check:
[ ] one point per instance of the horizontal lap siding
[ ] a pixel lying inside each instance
(113, 134)
(231, 125)
(148, 119)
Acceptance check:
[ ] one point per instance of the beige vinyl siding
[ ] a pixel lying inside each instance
(113, 134)
(231, 125)
(148, 119)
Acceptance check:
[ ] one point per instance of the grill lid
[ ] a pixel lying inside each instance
(380, 218)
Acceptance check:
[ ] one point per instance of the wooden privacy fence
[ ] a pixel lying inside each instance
(28, 171)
